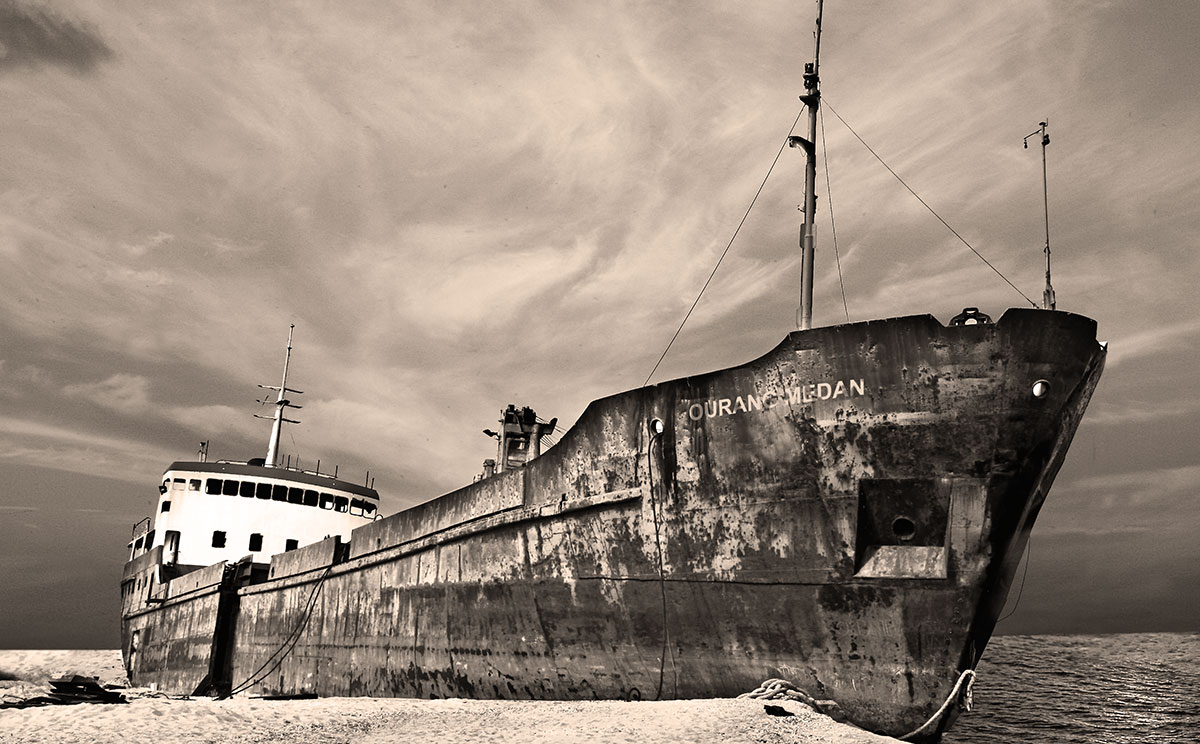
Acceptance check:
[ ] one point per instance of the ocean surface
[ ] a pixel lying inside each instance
(1129, 688)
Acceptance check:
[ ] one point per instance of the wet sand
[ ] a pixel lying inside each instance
(149, 718)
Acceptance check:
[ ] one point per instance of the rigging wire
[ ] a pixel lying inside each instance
(923, 203)
(662, 585)
(1021, 590)
(295, 446)
(277, 657)
(832, 221)
(727, 247)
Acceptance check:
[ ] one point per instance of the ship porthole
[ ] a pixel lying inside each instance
(657, 427)
(903, 528)
(1041, 388)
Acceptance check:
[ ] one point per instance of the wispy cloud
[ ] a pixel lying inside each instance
(1139, 488)
(124, 393)
(32, 36)
(74, 451)
(1155, 340)
(1093, 531)
(1109, 412)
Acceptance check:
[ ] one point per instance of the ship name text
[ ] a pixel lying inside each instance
(809, 393)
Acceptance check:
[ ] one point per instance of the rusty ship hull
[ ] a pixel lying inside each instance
(846, 512)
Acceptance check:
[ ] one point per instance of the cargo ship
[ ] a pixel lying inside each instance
(847, 511)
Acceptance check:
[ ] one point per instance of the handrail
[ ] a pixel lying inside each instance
(134, 534)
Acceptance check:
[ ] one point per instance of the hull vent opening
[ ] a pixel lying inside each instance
(901, 531)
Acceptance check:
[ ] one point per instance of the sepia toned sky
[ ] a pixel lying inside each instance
(462, 205)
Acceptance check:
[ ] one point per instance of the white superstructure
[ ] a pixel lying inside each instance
(224, 511)
(213, 511)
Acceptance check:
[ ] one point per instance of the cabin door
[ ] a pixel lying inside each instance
(131, 664)
(171, 547)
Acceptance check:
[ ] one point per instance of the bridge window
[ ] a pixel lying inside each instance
(178, 484)
(311, 498)
(341, 503)
(356, 507)
(213, 486)
(247, 489)
(166, 505)
(263, 490)
(255, 541)
(279, 493)
(218, 539)
(295, 495)
(291, 544)
(368, 508)
(230, 488)
(194, 484)
(326, 501)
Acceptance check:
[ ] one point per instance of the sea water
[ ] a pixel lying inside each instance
(1129, 688)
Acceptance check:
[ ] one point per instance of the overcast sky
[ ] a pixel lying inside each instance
(462, 205)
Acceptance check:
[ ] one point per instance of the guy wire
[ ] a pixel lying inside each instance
(923, 203)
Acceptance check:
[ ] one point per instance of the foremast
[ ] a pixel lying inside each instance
(812, 100)
(281, 402)
(1048, 301)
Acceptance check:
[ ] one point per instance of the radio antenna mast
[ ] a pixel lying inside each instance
(281, 402)
(1047, 293)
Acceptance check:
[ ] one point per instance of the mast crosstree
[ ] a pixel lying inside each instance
(281, 402)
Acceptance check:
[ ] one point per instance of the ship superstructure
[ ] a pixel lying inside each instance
(213, 512)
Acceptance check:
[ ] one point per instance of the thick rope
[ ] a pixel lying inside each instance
(966, 701)
(781, 689)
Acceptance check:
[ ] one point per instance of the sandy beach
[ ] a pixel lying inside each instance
(155, 718)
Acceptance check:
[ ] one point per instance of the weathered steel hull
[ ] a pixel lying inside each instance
(846, 512)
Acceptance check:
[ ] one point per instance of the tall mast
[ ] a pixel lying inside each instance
(812, 100)
(281, 402)
(1047, 293)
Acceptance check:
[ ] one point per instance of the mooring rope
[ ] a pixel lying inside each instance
(782, 689)
(966, 701)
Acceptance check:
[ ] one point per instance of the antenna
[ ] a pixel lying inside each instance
(280, 403)
(1047, 293)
